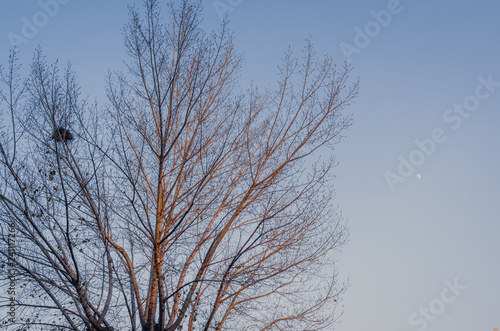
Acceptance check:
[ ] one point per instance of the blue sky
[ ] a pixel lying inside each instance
(429, 242)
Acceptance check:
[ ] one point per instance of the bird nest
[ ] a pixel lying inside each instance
(62, 134)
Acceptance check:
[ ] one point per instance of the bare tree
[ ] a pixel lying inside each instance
(183, 203)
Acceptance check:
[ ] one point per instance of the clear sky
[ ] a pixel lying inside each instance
(418, 177)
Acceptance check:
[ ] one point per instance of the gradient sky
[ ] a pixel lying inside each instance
(440, 225)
